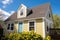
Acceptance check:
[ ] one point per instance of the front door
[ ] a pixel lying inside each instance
(20, 27)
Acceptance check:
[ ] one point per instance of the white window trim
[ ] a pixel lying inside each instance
(10, 27)
(34, 24)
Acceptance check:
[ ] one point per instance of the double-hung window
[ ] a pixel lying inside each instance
(31, 26)
(10, 26)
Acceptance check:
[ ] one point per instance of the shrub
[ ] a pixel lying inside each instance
(48, 38)
(24, 36)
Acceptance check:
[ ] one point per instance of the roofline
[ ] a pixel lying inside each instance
(20, 6)
(30, 19)
(35, 18)
(26, 19)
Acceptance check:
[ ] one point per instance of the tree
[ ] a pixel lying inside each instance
(3, 24)
(56, 19)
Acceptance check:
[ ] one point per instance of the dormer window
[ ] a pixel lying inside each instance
(21, 12)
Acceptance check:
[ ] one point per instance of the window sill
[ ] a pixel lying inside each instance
(10, 30)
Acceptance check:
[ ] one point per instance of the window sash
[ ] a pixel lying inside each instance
(8, 26)
(31, 26)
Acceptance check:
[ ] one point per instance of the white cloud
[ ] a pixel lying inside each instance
(4, 12)
(4, 15)
(6, 2)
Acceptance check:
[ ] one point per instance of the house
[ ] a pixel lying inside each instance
(38, 18)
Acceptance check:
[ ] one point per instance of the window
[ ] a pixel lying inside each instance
(31, 26)
(21, 12)
(10, 26)
(47, 28)
(49, 14)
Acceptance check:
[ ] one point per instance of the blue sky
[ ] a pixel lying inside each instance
(12, 5)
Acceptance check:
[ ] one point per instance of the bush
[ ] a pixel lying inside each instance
(23, 36)
(48, 38)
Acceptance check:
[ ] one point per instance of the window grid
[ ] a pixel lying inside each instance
(31, 26)
(10, 26)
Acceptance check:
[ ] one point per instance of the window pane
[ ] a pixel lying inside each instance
(49, 14)
(21, 12)
(31, 24)
(31, 28)
(8, 26)
(12, 26)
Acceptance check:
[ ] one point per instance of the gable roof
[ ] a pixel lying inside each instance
(38, 11)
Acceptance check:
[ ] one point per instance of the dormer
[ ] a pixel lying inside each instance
(22, 11)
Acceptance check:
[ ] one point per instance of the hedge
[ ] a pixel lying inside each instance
(24, 36)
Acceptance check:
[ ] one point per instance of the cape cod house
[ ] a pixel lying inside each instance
(38, 18)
